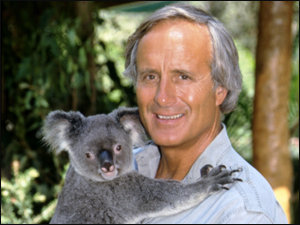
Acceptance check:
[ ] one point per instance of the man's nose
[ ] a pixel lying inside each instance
(166, 93)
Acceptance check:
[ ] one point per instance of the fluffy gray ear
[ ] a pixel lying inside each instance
(60, 128)
(130, 120)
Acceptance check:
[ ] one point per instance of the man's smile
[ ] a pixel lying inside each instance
(170, 117)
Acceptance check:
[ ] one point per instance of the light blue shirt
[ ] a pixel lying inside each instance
(250, 201)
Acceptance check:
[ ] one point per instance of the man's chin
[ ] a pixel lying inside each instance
(167, 142)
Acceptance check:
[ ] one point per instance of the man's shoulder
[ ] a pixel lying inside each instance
(254, 194)
(252, 200)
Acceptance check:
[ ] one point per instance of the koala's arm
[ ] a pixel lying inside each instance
(152, 198)
(132, 197)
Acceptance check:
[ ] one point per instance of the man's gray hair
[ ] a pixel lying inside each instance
(225, 69)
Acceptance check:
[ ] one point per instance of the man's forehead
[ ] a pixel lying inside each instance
(174, 26)
(176, 37)
(179, 29)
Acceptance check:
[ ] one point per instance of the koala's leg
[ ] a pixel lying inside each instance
(163, 198)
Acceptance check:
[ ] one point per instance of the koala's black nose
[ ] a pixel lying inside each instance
(106, 161)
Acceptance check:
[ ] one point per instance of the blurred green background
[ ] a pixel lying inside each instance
(46, 65)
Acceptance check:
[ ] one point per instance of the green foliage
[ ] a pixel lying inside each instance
(238, 122)
(46, 66)
(22, 198)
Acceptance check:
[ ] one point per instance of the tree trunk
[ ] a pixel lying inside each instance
(2, 98)
(271, 154)
(84, 11)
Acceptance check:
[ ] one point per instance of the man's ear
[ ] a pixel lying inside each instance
(130, 120)
(60, 128)
(221, 93)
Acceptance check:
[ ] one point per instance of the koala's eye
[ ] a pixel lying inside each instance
(89, 155)
(119, 148)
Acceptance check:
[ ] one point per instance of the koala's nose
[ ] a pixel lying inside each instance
(106, 161)
(108, 167)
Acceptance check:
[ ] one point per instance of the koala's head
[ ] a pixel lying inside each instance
(100, 146)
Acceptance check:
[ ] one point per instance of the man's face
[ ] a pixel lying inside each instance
(177, 103)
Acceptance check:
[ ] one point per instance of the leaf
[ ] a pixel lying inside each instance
(23, 69)
(70, 65)
(54, 47)
(72, 36)
(27, 100)
(82, 58)
(24, 85)
(44, 103)
(115, 95)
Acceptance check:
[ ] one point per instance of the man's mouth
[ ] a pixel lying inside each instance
(169, 117)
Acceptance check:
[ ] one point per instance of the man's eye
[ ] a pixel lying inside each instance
(150, 77)
(184, 77)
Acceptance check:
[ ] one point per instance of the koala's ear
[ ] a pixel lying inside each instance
(60, 128)
(130, 120)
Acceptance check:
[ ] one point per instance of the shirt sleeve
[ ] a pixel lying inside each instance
(242, 216)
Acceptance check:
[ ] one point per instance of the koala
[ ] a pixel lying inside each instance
(101, 185)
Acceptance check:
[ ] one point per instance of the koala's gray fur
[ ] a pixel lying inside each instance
(101, 185)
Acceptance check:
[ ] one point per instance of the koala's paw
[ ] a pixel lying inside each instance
(218, 176)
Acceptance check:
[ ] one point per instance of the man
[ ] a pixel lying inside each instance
(185, 69)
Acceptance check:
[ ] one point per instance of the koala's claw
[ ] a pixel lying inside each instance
(237, 179)
(234, 171)
(217, 177)
(222, 167)
(225, 188)
(205, 170)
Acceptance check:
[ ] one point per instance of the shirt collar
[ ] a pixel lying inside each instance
(213, 154)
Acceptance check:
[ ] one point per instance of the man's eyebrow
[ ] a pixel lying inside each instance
(181, 71)
(146, 70)
(176, 71)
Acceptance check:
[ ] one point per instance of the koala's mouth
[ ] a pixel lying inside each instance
(109, 175)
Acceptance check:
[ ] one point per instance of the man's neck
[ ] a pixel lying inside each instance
(176, 161)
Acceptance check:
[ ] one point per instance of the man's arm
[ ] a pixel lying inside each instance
(241, 215)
